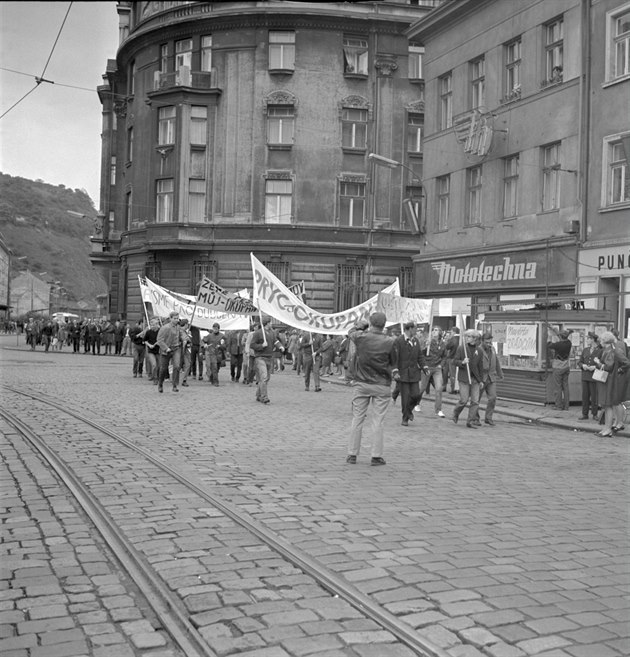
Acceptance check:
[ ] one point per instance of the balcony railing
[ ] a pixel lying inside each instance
(205, 80)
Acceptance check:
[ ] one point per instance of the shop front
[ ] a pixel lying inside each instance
(515, 294)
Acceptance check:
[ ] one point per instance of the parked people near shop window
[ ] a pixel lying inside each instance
(434, 357)
(374, 360)
(586, 363)
(468, 358)
(169, 340)
(560, 367)
(610, 392)
(408, 368)
(491, 373)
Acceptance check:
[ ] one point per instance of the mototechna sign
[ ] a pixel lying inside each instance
(523, 269)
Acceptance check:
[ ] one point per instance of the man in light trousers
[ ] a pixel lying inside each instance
(373, 379)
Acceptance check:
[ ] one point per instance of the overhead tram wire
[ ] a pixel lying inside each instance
(40, 79)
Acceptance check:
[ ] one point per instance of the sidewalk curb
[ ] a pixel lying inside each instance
(533, 417)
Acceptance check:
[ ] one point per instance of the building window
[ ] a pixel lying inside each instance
(164, 200)
(278, 201)
(473, 190)
(354, 128)
(416, 53)
(348, 286)
(512, 70)
(280, 124)
(130, 145)
(166, 126)
(405, 278)
(128, 209)
(206, 53)
(280, 269)
(131, 83)
(351, 203)
(617, 172)
(198, 124)
(183, 54)
(355, 55)
(282, 51)
(415, 123)
(477, 82)
(551, 177)
(112, 170)
(201, 269)
(196, 200)
(446, 101)
(153, 271)
(164, 58)
(554, 35)
(618, 43)
(510, 186)
(443, 185)
(198, 163)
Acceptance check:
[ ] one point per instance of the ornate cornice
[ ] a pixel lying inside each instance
(416, 107)
(386, 65)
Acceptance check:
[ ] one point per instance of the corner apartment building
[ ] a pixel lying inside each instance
(526, 176)
(238, 127)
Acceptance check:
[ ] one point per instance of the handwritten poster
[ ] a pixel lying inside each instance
(520, 340)
(498, 333)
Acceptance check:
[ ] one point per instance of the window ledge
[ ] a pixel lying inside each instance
(356, 76)
(281, 71)
(613, 81)
(354, 151)
(617, 206)
(279, 147)
(416, 80)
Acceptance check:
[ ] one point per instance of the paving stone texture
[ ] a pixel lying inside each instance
(505, 541)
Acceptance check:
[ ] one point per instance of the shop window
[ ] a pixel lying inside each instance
(349, 281)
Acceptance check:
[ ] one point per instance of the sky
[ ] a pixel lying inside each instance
(54, 134)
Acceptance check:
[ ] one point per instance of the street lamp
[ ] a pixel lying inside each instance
(408, 203)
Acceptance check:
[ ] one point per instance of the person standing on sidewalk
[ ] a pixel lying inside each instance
(560, 366)
(491, 373)
(409, 368)
(468, 358)
(373, 379)
(586, 363)
(169, 340)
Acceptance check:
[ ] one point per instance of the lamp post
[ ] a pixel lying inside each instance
(408, 204)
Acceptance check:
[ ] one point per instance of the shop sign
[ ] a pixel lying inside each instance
(520, 270)
(605, 261)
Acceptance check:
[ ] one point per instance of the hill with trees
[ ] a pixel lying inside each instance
(37, 225)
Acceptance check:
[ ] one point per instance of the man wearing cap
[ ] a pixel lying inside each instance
(374, 359)
(560, 350)
(215, 345)
(408, 368)
(468, 358)
(491, 372)
(586, 363)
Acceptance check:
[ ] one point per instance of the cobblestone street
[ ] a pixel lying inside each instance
(505, 541)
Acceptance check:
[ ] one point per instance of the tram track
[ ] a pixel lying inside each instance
(166, 604)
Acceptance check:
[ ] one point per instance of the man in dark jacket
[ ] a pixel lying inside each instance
(373, 378)
(263, 344)
(449, 352)
(469, 359)
(560, 351)
(408, 367)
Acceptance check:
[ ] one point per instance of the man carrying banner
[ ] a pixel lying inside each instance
(262, 345)
(469, 358)
(169, 341)
(373, 377)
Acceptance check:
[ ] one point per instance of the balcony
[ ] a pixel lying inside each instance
(198, 80)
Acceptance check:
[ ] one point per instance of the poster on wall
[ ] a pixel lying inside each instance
(498, 333)
(520, 340)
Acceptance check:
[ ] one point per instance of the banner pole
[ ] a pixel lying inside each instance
(144, 306)
(461, 321)
(429, 330)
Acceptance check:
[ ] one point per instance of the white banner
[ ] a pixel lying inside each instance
(214, 297)
(162, 302)
(403, 309)
(520, 340)
(275, 299)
